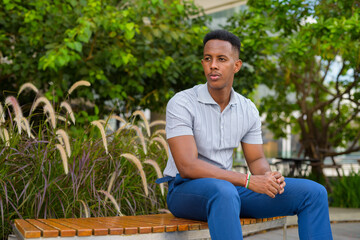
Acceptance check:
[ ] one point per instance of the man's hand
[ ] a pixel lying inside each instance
(271, 183)
(280, 180)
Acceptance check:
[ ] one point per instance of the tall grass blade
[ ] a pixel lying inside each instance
(27, 86)
(141, 137)
(86, 208)
(68, 110)
(162, 141)
(2, 114)
(111, 182)
(12, 101)
(138, 164)
(158, 172)
(142, 115)
(63, 157)
(112, 199)
(78, 84)
(102, 131)
(64, 139)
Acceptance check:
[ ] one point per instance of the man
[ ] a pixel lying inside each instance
(204, 125)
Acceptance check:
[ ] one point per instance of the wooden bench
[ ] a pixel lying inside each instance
(146, 227)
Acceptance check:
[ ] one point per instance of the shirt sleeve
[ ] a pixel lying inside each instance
(179, 120)
(253, 135)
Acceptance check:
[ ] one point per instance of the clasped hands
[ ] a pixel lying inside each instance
(271, 183)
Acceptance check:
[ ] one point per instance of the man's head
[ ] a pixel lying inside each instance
(225, 36)
(221, 60)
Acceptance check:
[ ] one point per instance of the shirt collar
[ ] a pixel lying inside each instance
(205, 97)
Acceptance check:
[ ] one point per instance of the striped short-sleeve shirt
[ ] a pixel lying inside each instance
(194, 112)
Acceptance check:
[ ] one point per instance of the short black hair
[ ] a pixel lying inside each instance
(225, 36)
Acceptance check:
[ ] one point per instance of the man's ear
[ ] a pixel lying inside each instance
(238, 65)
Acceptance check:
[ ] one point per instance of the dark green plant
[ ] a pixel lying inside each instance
(346, 191)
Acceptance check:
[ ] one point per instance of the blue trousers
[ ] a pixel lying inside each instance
(220, 203)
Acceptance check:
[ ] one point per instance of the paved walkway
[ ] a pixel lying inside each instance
(345, 226)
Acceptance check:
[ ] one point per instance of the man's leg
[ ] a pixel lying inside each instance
(207, 199)
(303, 197)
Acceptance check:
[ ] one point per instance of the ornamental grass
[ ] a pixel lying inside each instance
(47, 171)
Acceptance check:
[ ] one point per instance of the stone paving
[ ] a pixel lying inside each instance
(345, 226)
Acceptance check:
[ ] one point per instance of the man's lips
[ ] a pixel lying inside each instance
(214, 76)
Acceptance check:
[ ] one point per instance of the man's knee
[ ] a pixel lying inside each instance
(224, 191)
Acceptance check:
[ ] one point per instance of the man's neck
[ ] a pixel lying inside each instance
(221, 96)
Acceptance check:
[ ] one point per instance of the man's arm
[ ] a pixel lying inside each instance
(259, 166)
(185, 154)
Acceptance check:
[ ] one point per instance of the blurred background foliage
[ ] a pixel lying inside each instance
(135, 53)
(307, 54)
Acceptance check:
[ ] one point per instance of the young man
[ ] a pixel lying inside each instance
(204, 125)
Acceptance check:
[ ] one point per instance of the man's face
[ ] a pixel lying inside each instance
(220, 63)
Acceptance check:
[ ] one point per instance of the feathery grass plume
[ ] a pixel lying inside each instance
(51, 115)
(61, 118)
(121, 128)
(78, 84)
(161, 140)
(38, 101)
(158, 172)
(64, 139)
(63, 157)
(26, 126)
(102, 131)
(29, 86)
(112, 199)
(142, 115)
(138, 164)
(157, 122)
(159, 132)
(120, 119)
(111, 182)
(106, 125)
(2, 114)
(141, 136)
(163, 210)
(11, 100)
(86, 208)
(68, 108)
(4, 134)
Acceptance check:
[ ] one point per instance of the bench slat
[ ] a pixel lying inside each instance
(64, 231)
(80, 230)
(47, 231)
(27, 229)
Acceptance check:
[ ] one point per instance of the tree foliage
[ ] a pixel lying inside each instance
(308, 54)
(134, 52)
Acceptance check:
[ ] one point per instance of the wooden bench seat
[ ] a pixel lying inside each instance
(149, 227)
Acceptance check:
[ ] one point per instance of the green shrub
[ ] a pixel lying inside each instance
(346, 191)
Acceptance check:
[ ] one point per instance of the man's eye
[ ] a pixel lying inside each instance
(222, 59)
(207, 59)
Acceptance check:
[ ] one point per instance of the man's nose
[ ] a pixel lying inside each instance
(213, 64)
